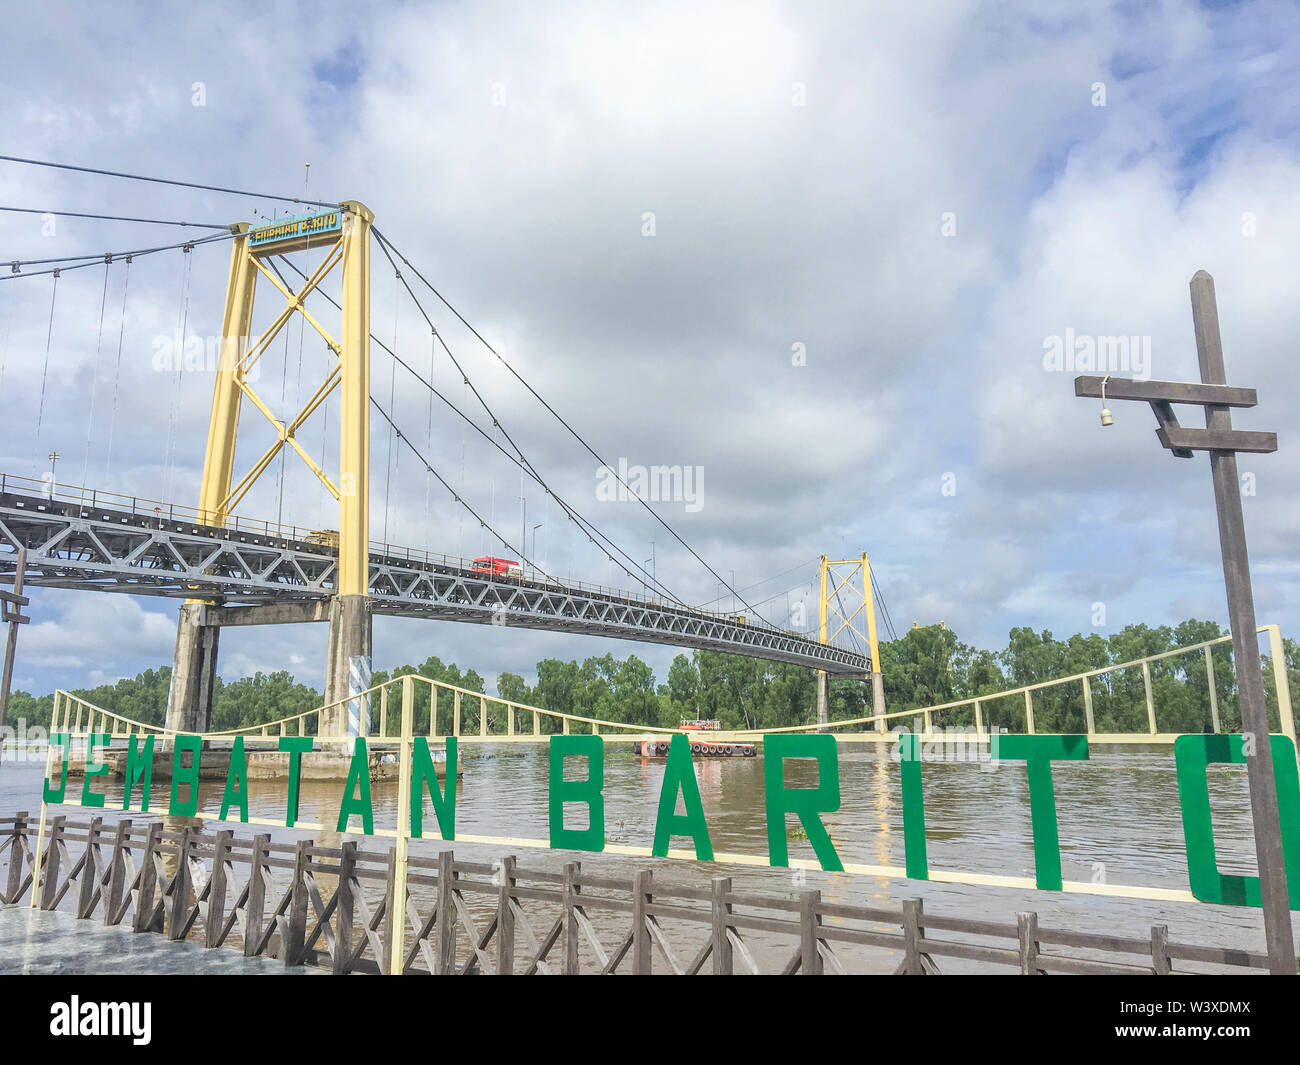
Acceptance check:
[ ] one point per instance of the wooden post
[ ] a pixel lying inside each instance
(1087, 706)
(1029, 712)
(723, 952)
(1160, 950)
(115, 875)
(180, 888)
(386, 962)
(144, 905)
(913, 933)
(569, 897)
(294, 952)
(16, 852)
(89, 870)
(343, 905)
(642, 960)
(506, 919)
(1027, 931)
(253, 910)
(445, 955)
(809, 922)
(49, 886)
(217, 889)
(1274, 898)
(397, 944)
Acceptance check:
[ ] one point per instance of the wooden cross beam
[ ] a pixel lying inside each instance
(1178, 439)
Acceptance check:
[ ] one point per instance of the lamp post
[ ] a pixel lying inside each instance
(1223, 442)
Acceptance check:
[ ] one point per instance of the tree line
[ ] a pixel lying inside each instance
(926, 666)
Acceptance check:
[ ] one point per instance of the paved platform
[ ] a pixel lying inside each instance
(36, 942)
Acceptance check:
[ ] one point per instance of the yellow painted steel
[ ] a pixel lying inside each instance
(220, 494)
(236, 324)
(397, 956)
(831, 609)
(354, 364)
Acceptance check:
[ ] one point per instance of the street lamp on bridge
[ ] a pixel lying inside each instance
(1223, 442)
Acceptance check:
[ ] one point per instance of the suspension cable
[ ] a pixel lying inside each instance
(457, 496)
(78, 262)
(94, 376)
(45, 369)
(115, 218)
(178, 360)
(164, 181)
(645, 577)
(584, 524)
(117, 372)
(386, 244)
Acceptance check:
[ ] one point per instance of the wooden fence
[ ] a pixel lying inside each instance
(331, 907)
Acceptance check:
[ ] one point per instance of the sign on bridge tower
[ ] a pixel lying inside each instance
(343, 234)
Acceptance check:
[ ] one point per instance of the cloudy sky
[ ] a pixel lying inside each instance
(817, 250)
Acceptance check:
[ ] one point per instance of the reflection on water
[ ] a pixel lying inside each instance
(1118, 813)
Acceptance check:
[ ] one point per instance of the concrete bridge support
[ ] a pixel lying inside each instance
(347, 667)
(194, 670)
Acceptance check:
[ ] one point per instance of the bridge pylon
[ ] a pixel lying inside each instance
(846, 603)
(343, 234)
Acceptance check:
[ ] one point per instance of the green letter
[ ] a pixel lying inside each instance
(237, 773)
(914, 850)
(139, 769)
(679, 775)
(1192, 754)
(358, 777)
(94, 769)
(297, 746)
(806, 802)
(48, 793)
(190, 806)
(589, 791)
(1038, 752)
(444, 800)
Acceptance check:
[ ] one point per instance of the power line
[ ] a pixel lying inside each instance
(163, 181)
(115, 218)
(385, 243)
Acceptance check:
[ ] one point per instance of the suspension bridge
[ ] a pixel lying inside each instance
(230, 569)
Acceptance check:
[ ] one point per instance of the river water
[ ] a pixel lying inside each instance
(1118, 814)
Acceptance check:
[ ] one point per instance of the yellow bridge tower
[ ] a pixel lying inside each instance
(343, 234)
(846, 603)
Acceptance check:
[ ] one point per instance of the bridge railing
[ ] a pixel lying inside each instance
(1105, 684)
(439, 709)
(436, 709)
(344, 908)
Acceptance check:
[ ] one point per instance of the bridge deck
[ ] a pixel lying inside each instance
(87, 545)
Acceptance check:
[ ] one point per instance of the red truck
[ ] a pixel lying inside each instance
(497, 567)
